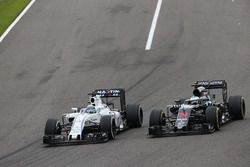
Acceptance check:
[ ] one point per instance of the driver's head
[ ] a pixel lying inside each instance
(92, 100)
(90, 109)
(198, 91)
(194, 100)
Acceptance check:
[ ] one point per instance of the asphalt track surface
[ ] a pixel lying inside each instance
(61, 50)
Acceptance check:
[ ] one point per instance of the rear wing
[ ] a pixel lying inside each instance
(116, 92)
(214, 84)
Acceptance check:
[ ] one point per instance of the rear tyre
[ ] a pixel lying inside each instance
(107, 124)
(157, 118)
(134, 115)
(53, 127)
(213, 117)
(236, 106)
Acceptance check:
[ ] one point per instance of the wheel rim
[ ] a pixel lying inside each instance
(242, 107)
(162, 118)
(113, 130)
(218, 119)
(211, 128)
(58, 127)
(140, 116)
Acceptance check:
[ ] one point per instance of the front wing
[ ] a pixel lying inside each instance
(165, 131)
(97, 137)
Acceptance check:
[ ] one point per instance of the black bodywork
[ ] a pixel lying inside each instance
(192, 118)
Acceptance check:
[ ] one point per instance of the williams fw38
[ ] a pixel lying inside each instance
(99, 121)
(200, 114)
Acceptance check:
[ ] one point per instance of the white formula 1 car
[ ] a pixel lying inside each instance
(98, 122)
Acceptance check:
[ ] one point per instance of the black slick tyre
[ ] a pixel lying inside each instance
(213, 117)
(107, 124)
(236, 106)
(52, 127)
(134, 115)
(157, 118)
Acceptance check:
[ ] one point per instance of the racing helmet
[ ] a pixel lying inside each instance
(194, 100)
(198, 91)
(92, 100)
(90, 109)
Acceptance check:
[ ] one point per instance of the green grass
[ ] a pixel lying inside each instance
(9, 10)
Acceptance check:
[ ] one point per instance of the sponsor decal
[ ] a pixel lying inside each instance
(183, 114)
(109, 92)
(215, 82)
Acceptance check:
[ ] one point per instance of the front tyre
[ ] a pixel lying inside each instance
(213, 117)
(236, 106)
(107, 124)
(157, 118)
(53, 127)
(134, 115)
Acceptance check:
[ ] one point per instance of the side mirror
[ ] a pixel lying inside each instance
(74, 109)
(177, 101)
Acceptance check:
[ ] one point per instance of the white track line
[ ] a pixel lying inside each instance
(153, 25)
(16, 20)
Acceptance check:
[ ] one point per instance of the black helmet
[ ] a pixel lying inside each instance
(198, 91)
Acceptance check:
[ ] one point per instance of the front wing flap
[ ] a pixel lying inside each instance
(97, 137)
(165, 131)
